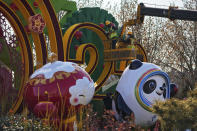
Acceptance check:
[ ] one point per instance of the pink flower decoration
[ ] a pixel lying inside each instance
(36, 23)
(35, 4)
(13, 6)
(78, 35)
(102, 25)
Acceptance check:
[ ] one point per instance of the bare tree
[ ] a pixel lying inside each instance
(180, 40)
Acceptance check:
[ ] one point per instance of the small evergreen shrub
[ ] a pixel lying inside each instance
(178, 114)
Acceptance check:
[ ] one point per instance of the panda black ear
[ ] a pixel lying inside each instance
(135, 64)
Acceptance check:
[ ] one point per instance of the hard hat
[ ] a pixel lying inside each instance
(129, 33)
(107, 22)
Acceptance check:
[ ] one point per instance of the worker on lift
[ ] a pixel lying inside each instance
(111, 33)
(130, 38)
(127, 42)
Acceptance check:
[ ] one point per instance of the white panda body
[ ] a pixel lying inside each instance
(131, 87)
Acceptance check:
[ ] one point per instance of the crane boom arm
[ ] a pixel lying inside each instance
(172, 13)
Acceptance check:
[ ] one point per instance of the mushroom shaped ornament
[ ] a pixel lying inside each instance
(140, 86)
(58, 90)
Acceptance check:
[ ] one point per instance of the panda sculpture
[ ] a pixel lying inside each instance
(140, 85)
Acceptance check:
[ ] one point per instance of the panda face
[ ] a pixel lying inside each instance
(154, 88)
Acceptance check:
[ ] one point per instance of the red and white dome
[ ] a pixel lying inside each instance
(62, 84)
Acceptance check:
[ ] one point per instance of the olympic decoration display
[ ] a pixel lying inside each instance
(33, 47)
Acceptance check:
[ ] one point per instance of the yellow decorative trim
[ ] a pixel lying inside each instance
(24, 55)
(49, 25)
(35, 36)
(119, 49)
(36, 81)
(47, 102)
(71, 119)
(52, 79)
(43, 81)
(67, 39)
(58, 87)
(59, 76)
(80, 56)
(123, 64)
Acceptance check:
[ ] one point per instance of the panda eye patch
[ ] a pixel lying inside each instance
(149, 86)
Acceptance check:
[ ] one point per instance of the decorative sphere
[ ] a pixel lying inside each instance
(57, 87)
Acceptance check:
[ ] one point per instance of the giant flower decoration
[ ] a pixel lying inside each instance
(36, 23)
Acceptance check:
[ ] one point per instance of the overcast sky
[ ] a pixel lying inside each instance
(148, 3)
(154, 2)
(106, 4)
(113, 6)
(151, 3)
(163, 2)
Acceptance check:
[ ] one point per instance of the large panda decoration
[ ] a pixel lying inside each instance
(140, 85)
